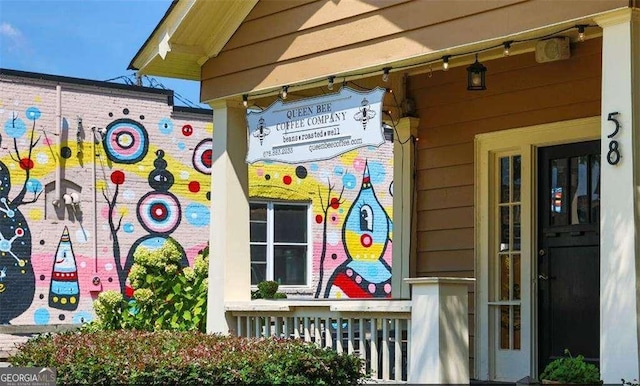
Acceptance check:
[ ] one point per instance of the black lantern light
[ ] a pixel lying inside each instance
(476, 76)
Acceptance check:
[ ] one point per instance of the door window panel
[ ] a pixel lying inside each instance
(507, 296)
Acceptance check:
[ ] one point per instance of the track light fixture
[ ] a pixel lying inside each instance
(385, 74)
(445, 62)
(330, 82)
(507, 47)
(245, 100)
(581, 28)
(285, 92)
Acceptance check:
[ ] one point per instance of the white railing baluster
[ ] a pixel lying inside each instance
(317, 334)
(350, 344)
(307, 329)
(397, 351)
(258, 328)
(374, 348)
(339, 335)
(286, 327)
(361, 340)
(327, 333)
(296, 327)
(385, 350)
(278, 327)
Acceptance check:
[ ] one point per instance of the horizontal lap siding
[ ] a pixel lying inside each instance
(520, 92)
(287, 42)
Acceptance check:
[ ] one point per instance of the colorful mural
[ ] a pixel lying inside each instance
(52, 268)
(136, 173)
(351, 198)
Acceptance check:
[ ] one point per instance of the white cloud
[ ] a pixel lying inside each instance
(8, 30)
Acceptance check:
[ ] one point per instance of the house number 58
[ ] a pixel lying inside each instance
(613, 156)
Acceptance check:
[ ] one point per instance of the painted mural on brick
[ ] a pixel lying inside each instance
(152, 173)
(351, 199)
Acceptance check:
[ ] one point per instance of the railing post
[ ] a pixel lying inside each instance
(439, 330)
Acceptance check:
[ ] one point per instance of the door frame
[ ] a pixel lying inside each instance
(488, 147)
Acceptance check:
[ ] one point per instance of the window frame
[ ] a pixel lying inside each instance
(271, 244)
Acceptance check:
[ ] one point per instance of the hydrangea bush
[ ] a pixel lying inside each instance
(166, 295)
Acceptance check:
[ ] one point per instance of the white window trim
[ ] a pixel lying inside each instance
(270, 241)
(523, 141)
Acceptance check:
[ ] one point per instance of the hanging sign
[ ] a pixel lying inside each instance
(317, 128)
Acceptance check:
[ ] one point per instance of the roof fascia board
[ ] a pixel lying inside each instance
(151, 48)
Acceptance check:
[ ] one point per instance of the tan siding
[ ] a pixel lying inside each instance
(446, 240)
(445, 219)
(271, 48)
(520, 93)
(445, 198)
(456, 154)
(446, 177)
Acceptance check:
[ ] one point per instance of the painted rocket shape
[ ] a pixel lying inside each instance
(64, 292)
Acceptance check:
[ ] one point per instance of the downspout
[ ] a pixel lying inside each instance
(57, 202)
(95, 200)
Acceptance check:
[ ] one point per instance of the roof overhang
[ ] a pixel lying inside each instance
(188, 35)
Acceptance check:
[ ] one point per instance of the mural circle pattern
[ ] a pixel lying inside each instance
(203, 156)
(126, 141)
(159, 212)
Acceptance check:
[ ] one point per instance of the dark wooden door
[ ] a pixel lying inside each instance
(569, 251)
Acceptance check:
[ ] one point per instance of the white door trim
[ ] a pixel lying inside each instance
(488, 147)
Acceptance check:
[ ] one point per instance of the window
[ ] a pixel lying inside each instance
(279, 242)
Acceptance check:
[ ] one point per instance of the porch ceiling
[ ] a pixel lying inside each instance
(189, 33)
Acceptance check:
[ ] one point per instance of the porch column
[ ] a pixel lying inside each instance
(229, 256)
(439, 341)
(404, 220)
(619, 205)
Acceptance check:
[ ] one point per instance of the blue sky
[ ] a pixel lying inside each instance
(91, 39)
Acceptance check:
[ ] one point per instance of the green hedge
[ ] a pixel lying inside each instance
(185, 358)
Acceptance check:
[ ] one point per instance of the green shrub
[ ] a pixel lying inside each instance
(268, 290)
(175, 357)
(570, 369)
(166, 295)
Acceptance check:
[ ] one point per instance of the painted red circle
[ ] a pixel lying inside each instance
(187, 130)
(319, 219)
(117, 177)
(366, 240)
(286, 180)
(335, 203)
(194, 186)
(19, 232)
(26, 164)
(158, 211)
(206, 158)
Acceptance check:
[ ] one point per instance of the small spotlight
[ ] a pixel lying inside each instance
(385, 74)
(245, 100)
(581, 28)
(445, 62)
(507, 47)
(285, 92)
(330, 82)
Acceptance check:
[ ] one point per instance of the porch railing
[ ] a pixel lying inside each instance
(422, 340)
(376, 330)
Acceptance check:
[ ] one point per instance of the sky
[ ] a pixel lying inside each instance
(89, 39)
